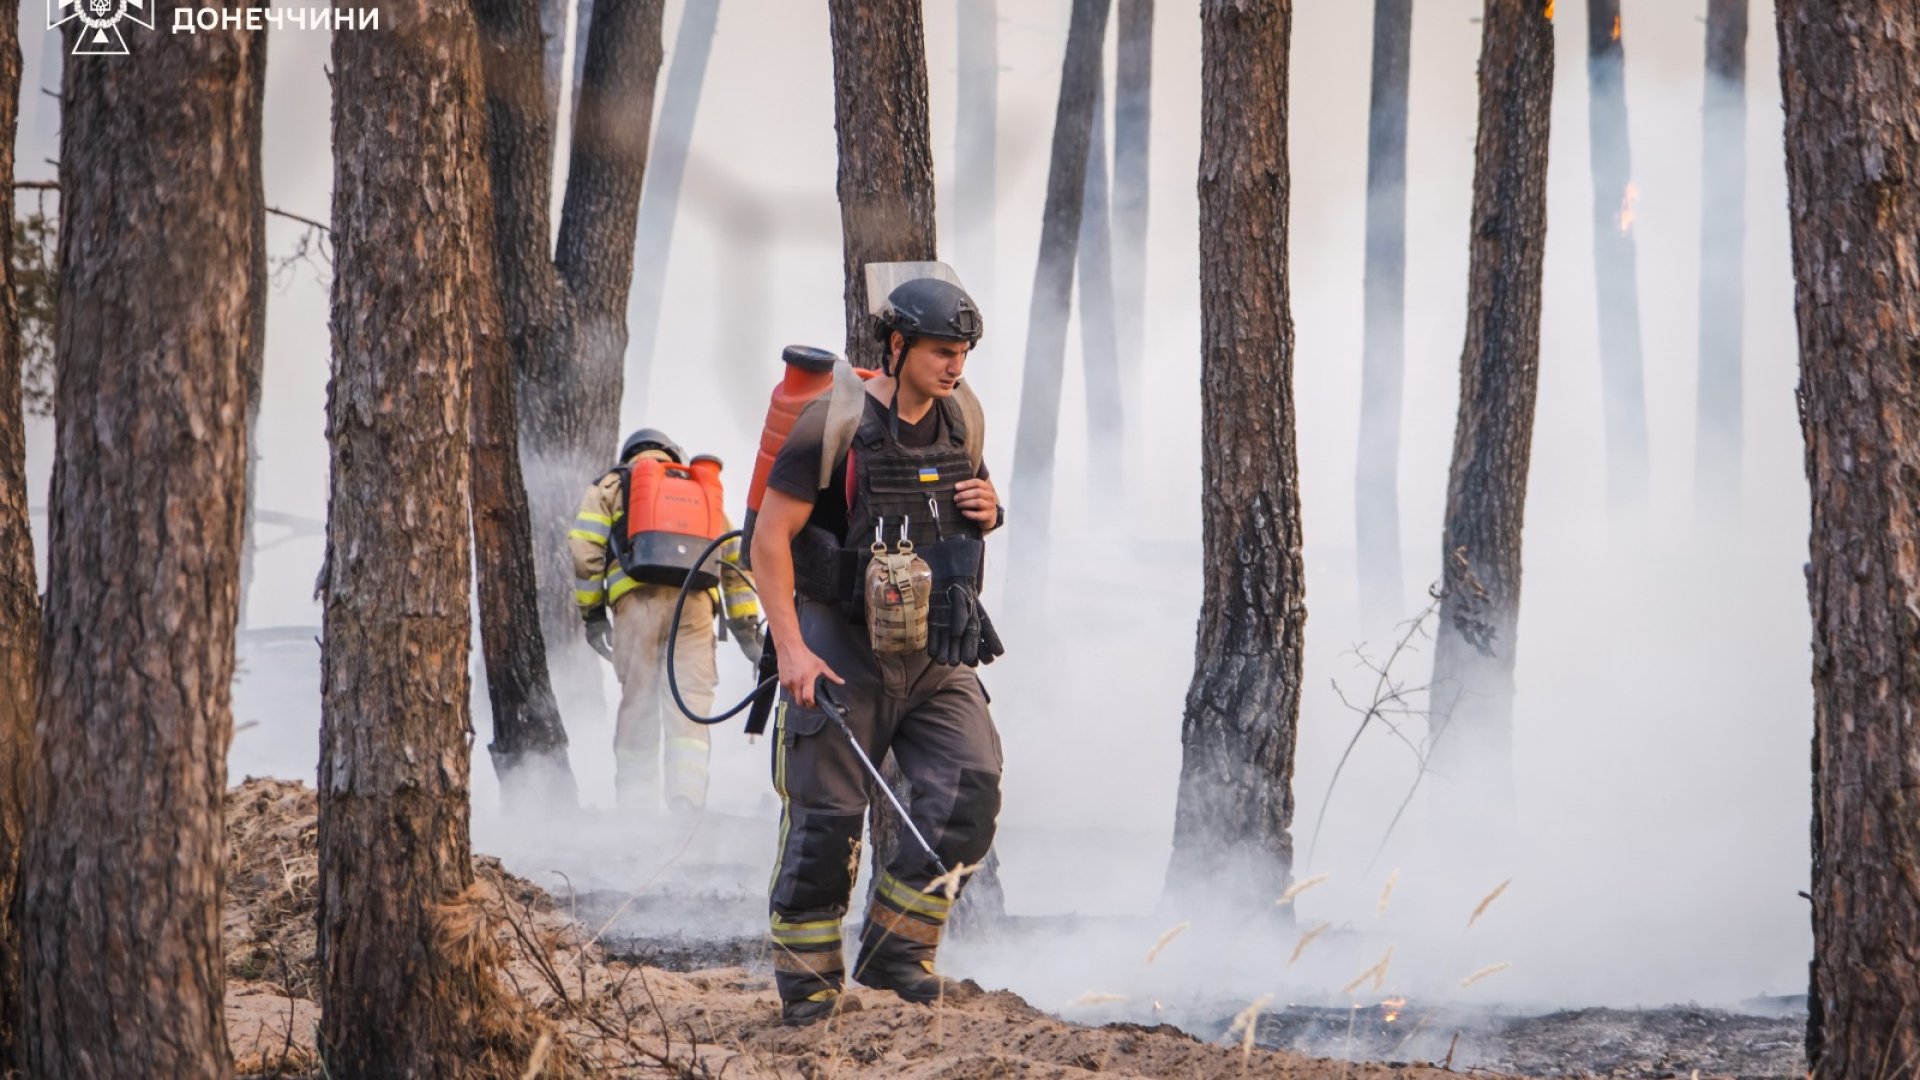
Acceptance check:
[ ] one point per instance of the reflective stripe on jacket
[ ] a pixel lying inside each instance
(597, 576)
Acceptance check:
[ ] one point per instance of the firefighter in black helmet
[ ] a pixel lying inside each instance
(628, 620)
(911, 476)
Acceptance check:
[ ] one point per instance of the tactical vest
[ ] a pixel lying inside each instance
(893, 490)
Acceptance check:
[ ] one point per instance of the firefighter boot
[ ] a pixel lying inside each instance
(896, 953)
(816, 1007)
(810, 978)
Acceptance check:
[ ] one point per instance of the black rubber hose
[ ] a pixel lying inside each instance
(673, 639)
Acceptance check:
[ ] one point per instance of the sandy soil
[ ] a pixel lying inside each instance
(613, 1018)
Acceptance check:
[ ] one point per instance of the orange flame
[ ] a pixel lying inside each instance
(1549, 10)
(1616, 27)
(1627, 200)
(1392, 1006)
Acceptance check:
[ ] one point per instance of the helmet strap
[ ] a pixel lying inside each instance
(896, 361)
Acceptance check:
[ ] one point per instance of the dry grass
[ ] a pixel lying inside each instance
(1386, 893)
(1306, 939)
(1378, 973)
(1300, 887)
(1487, 902)
(1166, 939)
(1490, 969)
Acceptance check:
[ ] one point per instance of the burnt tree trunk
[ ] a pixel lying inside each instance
(1723, 203)
(1037, 436)
(1471, 718)
(161, 236)
(1099, 349)
(660, 201)
(566, 301)
(405, 985)
(1850, 80)
(1376, 488)
(886, 156)
(529, 747)
(1231, 845)
(1615, 276)
(19, 593)
(1132, 128)
(975, 130)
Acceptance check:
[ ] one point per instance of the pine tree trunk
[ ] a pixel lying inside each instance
(1376, 486)
(1472, 688)
(594, 256)
(161, 237)
(1106, 423)
(886, 156)
(529, 747)
(565, 308)
(975, 131)
(660, 202)
(1850, 78)
(1132, 129)
(1723, 203)
(1231, 845)
(1615, 276)
(402, 994)
(256, 384)
(1038, 434)
(19, 593)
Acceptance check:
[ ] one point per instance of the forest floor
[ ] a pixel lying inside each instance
(677, 1007)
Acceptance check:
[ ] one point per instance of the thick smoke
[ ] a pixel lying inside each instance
(1663, 708)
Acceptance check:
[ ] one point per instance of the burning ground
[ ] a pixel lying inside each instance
(612, 1006)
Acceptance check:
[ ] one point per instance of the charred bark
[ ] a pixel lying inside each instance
(162, 235)
(565, 304)
(1472, 689)
(1231, 845)
(975, 130)
(1376, 486)
(1623, 390)
(660, 201)
(1723, 203)
(1106, 418)
(1132, 131)
(529, 747)
(886, 155)
(19, 593)
(405, 984)
(1037, 436)
(1850, 80)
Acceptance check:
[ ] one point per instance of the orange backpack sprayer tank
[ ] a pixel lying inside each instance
(673, 511)
(809, 374)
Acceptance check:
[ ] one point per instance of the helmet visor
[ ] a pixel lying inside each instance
(883, 278)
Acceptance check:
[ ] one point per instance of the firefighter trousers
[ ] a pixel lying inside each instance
(934, 720)
(642, 619)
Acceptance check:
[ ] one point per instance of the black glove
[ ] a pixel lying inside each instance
(600, 633)
(990, 647)
(955, 620)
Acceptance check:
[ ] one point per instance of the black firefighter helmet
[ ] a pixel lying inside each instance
(929, 307)
(651, 439)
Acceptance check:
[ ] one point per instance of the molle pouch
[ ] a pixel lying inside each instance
(897, 590)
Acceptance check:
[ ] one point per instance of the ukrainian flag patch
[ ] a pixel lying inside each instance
(929, 474)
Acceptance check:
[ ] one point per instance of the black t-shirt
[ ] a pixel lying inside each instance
(796, 471)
